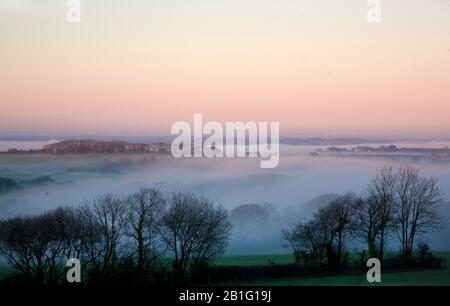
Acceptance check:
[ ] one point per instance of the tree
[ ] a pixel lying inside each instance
(325, 234)
(374, 217)
(261, 214)
(417, 200)
(145, 210)
(39, 246)
(103, 223)
(341, 217)
(308, 242)
(382, 196)
(7, 185)
(312, 241)
(22, 247)
(367, 223)
(62, 230)
(194, 230)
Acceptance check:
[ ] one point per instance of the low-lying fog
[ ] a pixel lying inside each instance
(291, 188)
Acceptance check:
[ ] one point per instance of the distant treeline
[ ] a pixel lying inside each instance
(7, 185)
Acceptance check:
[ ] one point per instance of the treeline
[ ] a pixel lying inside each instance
(159, 239)
(398, 205)
(119, 240)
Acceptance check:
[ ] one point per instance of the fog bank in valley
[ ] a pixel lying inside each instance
(291, 192)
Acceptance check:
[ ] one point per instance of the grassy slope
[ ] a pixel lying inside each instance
(404, 278)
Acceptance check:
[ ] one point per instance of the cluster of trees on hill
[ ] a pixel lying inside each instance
(6, 185)
(399, 204)
(125, 238)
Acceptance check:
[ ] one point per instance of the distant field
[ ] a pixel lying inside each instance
(255, 260)
(404, 278)
(408, 278)
(224, 261)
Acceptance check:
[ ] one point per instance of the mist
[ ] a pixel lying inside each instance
(295, 189)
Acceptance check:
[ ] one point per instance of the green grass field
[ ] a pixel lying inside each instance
(4, 272)
(254, 260)
(405, 278)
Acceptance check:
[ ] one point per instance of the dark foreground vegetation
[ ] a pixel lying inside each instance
(152, 238)
(118, 240)
(399, 205)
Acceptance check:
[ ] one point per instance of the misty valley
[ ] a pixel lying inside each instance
(261, 202)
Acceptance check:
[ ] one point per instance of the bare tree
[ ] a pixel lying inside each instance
(103, 224)
(194, 230)
(70, 230)
(325, 234)
(63, 234)
(313, 240)
(375, 215)
(145, 210)
(341, 214)
(418, 201)
(39, 246)
(308, 241)
(24, 246)
(366, 224)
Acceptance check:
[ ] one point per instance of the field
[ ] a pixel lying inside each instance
(407, 278)
(404, 278)
(254, 260)
(3, 272)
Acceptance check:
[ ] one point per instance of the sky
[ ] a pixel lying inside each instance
(135, 67)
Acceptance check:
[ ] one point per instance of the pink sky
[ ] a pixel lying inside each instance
(317, 67)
